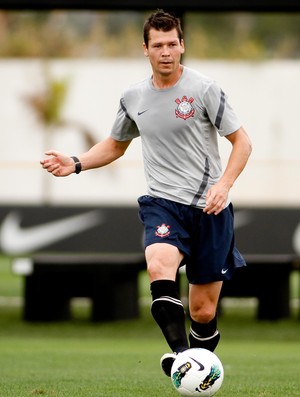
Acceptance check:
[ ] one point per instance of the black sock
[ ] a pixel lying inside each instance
(168, 312)
(205, 336)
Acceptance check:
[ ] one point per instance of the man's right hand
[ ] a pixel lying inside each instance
(58, 164)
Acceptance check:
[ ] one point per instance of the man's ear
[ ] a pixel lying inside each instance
(145, 50)
(182, 46)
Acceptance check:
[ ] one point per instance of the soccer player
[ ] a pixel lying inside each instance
(188, 218)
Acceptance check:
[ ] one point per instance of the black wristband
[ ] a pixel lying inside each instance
(77, 164)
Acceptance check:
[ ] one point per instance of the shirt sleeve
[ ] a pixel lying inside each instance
(124, 128)
(219, 111)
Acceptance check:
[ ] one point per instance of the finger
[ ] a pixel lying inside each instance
(56, 172)
(209, 205)
(208, 209)
(214, 207)
(46, 163)
(52, 153)
(52, 168)
(218, 208)
(210, 200)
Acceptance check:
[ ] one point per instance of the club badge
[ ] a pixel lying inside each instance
(184, 109)
(162, 230)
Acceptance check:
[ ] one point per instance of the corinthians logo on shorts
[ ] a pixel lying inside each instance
(184, 109)
(162, 230)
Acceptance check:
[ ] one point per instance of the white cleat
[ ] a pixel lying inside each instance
(166, 362)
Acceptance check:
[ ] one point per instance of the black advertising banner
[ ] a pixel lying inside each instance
(32, 229)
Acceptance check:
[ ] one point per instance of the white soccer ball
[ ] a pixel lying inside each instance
(197, 372)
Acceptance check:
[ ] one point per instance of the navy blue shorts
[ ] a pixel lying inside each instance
(207, 241)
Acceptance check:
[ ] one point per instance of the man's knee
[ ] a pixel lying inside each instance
(203, 314)
(203, 301)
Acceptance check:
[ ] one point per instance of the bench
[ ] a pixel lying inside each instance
(266, 277)
(109, 280)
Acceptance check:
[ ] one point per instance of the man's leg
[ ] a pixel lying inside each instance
(203, 301)
(163, 261)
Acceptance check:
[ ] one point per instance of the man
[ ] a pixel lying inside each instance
(187, 215)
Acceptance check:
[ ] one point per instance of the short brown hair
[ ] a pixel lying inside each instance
(161, 20)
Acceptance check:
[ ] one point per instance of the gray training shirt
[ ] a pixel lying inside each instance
(178, 127)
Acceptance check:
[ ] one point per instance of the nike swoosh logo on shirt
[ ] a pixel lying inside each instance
(144, 111)
(16, 240)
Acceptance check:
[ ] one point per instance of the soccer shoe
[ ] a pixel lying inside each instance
(166, 362)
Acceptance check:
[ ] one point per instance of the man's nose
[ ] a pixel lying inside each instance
(165, 50)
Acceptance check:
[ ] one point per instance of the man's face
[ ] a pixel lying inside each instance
(164, 51)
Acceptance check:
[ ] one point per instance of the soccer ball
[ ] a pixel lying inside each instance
(197, 372)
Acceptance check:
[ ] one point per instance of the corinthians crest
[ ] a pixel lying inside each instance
(162, 230)
(184, 109)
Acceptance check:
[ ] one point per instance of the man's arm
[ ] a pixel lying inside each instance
(101, 154)
(241, 149)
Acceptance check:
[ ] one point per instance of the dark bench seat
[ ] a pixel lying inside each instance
(266, 277)
(109, 280)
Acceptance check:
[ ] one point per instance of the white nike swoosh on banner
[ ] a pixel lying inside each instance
(296, 239)
(242, 218)
(16, 240)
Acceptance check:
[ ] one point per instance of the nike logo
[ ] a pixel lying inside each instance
(144, 111)
(242, 218)
(15, 240)
(201, 366)
(224, 271)
(296, 239)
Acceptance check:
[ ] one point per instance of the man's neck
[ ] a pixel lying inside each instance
(163, 82)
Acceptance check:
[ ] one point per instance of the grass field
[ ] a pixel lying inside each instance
(82, 359)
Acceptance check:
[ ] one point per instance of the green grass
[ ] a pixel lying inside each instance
(10, 285)
(82, 359)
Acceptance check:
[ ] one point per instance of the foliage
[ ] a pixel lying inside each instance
(94, 34)
(48, 104)
(63, 34)
(243, 35)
